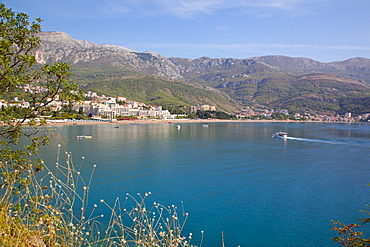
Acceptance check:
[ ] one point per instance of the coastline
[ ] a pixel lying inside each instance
(146, 121)
(181, 121)
(174, 121)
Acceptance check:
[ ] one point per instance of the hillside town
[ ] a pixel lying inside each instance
(104, 108)
(258, 113)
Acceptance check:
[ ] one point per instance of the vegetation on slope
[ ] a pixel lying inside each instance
(314, 93)
(158, 91)
(279, 82)
(83, 73)
(321, 93)
(354, 105)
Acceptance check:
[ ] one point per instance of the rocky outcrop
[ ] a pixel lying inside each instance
(230, 84)
(60, 47)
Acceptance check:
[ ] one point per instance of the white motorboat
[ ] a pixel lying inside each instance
(280, 135)
(83, 137)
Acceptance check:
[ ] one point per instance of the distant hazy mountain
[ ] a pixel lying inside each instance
(356, 68)
(298, 84)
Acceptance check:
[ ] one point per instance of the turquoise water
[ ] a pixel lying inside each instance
(234, 177)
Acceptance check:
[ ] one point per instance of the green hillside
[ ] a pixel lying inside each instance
(158, 91)
(319, 93)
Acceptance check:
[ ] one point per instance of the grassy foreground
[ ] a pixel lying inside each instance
(53, 209)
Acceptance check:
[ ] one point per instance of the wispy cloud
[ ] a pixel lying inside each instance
(111, 6)
(76, 9)
(180, 8)
(190, 8)
(222, 28)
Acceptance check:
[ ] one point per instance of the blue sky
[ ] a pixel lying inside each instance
(323, 30)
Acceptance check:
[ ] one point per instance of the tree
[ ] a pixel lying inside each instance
(192, 115)
(18, 67)
(351, 235)
(31, 212)
(279, 116)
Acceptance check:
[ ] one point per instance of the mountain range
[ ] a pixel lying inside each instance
(279, 82)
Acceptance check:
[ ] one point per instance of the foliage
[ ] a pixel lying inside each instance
(176, 110)
(351, 235)
(355, 105)
(316, 93)
(212, 114)
(313, 106)
(85, 73)
(279, 116)
(158, 91)
(65, 113)
(45, 206)
(17, 59)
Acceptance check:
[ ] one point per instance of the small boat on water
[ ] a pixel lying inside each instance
(83, 137)
(280, 135)
(178, 126)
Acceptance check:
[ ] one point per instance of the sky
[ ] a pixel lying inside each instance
(323, 30)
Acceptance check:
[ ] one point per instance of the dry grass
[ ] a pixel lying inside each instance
(54, 210)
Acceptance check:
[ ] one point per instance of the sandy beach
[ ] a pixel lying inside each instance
(147, 121)
(156, 121)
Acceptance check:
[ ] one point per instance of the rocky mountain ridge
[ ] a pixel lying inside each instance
(60, 47)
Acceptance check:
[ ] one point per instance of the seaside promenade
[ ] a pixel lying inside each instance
(156, 121)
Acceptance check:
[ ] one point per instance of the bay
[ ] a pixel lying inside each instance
(233, 177)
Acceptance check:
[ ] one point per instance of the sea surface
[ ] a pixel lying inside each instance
(232, 177)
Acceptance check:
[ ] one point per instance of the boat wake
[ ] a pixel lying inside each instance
(318, 140)
(312, 140)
